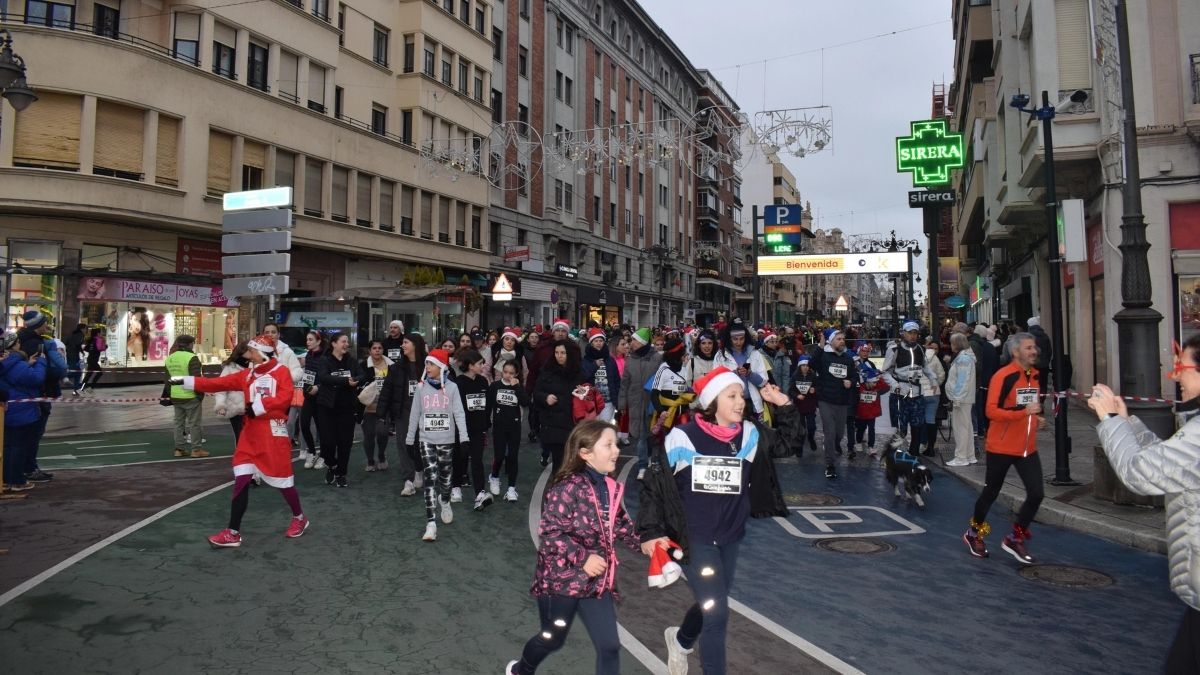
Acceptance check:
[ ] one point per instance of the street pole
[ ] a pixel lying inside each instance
(896, 304)
(1062, 442)
(757, 283)
(933, 224)
(912, 302)
(1137, 321)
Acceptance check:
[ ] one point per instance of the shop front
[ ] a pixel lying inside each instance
(601, 305)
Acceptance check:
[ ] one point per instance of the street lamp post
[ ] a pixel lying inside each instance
(1062, 442)
(12, 75)
(894, 245)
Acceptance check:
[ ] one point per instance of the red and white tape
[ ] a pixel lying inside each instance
(51, 399)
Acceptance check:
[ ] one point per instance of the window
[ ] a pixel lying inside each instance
(494, 228)
(522, 62)
(447, 68)
(497, 106)
(288, 65)
(464, 11)
(522, 180)
(338, 99)
(252, 177)
(559, 30)
(285, 168)
(313, 182)
(641, 184)
(430, 58)
(224, 55)
(498, 44)
(379, 118)
(662, 196)
(51, 14)
(569, 40)
(628, 87)
(320, 9)
(386, 191)
(478, 87)
(596, 111)
(558, 85)
(410, 47)
(569, 198)
(380, 52)
(596, 15)
(612, 215)
(522, 237)
(641, 227)
(362, 200)
(166, 164)
(256, 71)
(524, 9)
(596, 209)
(407, 196)
(628, 176)
(339, 208)
(523, 118)
(118, 148)
(558, 193)
(107, 21)
(220, 160)
(406, 118)
(596, 262)
(476, 228)
(628, 223)
(186, 46)
(568, 90)
(316, 87)
(464, 76)
(448, 5)
(480, 20)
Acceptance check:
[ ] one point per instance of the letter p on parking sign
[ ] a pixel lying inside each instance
(782, 214)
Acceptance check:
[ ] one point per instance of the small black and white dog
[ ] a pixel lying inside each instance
(905, 470)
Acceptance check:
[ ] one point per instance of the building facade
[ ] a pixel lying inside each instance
(110, 207)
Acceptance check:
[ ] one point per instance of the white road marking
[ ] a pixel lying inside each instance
(89, 440)
(115, 445)
(635, 646)
(32, 583)
(99, 454)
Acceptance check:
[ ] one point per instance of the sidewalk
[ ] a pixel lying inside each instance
(92, 413)
(1073, 507)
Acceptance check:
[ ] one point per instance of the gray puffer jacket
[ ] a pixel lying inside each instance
(1151, 466)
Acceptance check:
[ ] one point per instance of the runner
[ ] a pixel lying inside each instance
(473, 388)
(714, 473)
(437, 412)
(506, 397)
(395, 400)
(317, 347)
(576, 572)
(338, 375)
(264, 447)
(375, 428)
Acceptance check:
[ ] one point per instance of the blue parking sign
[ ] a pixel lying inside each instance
(782, 214)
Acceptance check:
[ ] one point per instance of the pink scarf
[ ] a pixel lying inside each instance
(723, 434)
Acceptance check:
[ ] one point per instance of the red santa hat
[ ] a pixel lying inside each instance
(594, 333)
(560, 324)
(439, 358)
(509, 331)
(767, 334)
(264, 344)
(664, 571)
(714, 383)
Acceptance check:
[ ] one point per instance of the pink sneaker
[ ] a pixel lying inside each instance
(297, 527)
(225, 539)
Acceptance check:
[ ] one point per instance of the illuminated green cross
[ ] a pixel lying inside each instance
(929, 153)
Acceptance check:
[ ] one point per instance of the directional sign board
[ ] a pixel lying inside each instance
(241, 287)
(265, 263)
(247, 221)
(257, 199)
(254, 242)
(929, 153)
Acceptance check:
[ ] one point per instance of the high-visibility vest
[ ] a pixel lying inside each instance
(177, 366)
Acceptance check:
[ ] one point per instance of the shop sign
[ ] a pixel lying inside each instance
(130, 290)
(516, 253)
(195, 256)
(929, 152)
(315, 320)
(567, 271)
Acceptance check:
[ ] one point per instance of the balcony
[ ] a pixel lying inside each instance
(707, 216)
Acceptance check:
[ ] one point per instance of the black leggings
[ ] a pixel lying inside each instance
(473, 451)
(375, 436)
(557, 612)
(1030, 470)
(506, 443)
(555, 451)
(236, 422)
(337, 435)
(307, 414)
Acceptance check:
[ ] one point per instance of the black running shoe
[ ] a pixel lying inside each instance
(342, 482)
(830, 472)
(329, 477)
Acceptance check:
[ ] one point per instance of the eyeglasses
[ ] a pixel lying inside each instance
(1179, 366)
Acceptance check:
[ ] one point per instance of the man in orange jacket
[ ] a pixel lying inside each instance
(1013, 410)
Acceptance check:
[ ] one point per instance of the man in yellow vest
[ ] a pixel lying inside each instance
(188, 404)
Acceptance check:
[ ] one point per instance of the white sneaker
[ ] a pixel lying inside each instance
(677, 663)
(972, 461)
(320, 463)
(510, 669)
(641, 474)
(370, 468)
(482, 500)
(511, 495)
(447, 513)
(494, 484)
(418, 483)
(310, 461)
(958, 462)
(456, 495)
(408, 490)
(430, 532)
(303, 453)
(383, 465)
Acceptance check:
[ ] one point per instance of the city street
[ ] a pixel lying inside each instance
(110, 567)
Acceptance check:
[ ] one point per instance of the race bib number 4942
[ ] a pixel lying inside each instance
(717, 475)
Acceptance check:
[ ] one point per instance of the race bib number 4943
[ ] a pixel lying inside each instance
(436, 422)
(717, 475)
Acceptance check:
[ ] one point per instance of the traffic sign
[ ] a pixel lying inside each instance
(929, 152)
(241, 287)
(502, 290)
(246, 221)
(782, 214)
(266, 263)
(257, 199)
(255, 242)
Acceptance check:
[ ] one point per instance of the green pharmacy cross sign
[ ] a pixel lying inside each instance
(929, 153)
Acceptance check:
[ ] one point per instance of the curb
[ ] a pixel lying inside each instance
(1060, 514)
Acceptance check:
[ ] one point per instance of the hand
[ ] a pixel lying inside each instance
(846, 384)
(743, 371)
(220, 410)
(1034, 407)
(1041, 421)
(649, 546)
(551, 399)
(595, 565)
(1104, 401)
(33, 358)
(352, 382)
(771, 394)
(177, 380)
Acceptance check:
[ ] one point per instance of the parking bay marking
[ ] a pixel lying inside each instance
(825, 519)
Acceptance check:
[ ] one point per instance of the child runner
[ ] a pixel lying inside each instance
(264, 447)
(714, 473)
(474, 391)
(576, 572)
(600, 369)
(806, 400)
(506, 397)
(437, 412)
(869, 407)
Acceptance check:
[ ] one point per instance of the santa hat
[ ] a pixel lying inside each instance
(264, 344)
(1033, 321)
(767, 334)
(864, 345)
(642, 336)
(397, 323)
(803, 360)
(439, 358)
(714, 383)
(560, 324)
(509, 331)
(33, 319)
(869, 371)
(594, 333)
(831, 333)
(664, 571)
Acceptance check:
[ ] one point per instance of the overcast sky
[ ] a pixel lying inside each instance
(875, 87)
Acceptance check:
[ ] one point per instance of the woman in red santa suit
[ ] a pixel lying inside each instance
(264, 446)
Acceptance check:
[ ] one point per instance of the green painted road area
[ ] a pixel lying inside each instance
(85, 451)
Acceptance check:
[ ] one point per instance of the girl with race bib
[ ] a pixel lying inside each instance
(506, 397)
(805, 397)
(375, 428)
(869, 409)
(712, 475)
(437, 412)
(395, 400)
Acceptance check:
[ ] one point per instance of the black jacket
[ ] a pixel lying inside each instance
(501, 397)
(333, 387)
(1045, 349)
(829, 386)
(556, 420)
(660, 508)
(394, 399)
(479, 419)
(74, 343)
(987, 361)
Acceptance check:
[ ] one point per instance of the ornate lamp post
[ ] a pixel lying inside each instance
(12, 75)
(894, 245)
